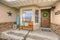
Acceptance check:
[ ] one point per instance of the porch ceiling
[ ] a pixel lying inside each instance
(19, 3)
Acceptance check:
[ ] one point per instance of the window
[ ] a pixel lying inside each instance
(36, 16)
(27, 15)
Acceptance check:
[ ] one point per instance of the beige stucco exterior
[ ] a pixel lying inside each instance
(4, 15)
(55, 18)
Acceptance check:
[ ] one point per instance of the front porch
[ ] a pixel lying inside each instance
(30, 20)
(29, 35)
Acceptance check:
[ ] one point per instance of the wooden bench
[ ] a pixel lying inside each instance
(30, 25)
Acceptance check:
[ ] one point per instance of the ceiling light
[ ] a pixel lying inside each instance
(10, 0)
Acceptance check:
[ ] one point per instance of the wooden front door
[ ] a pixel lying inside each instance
(45, 18)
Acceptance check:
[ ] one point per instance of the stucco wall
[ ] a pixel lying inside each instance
(4, 16)
(56, 18)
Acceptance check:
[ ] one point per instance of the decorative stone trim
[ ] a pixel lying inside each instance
(6, 26)
(55, 28)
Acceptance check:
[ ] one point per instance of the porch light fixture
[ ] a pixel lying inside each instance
(53, 7)
(10, 0)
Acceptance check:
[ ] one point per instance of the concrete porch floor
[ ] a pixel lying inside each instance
(43, 35)
(34, 35)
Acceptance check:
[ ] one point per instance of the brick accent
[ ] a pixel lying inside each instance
(55, 28)
(6, 26)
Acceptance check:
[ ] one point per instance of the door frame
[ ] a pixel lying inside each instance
(49, 17)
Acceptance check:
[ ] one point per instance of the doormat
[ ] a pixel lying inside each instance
(46, 29)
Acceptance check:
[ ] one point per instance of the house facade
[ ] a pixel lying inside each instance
(34, 15)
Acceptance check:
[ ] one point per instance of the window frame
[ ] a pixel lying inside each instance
(25, 15)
